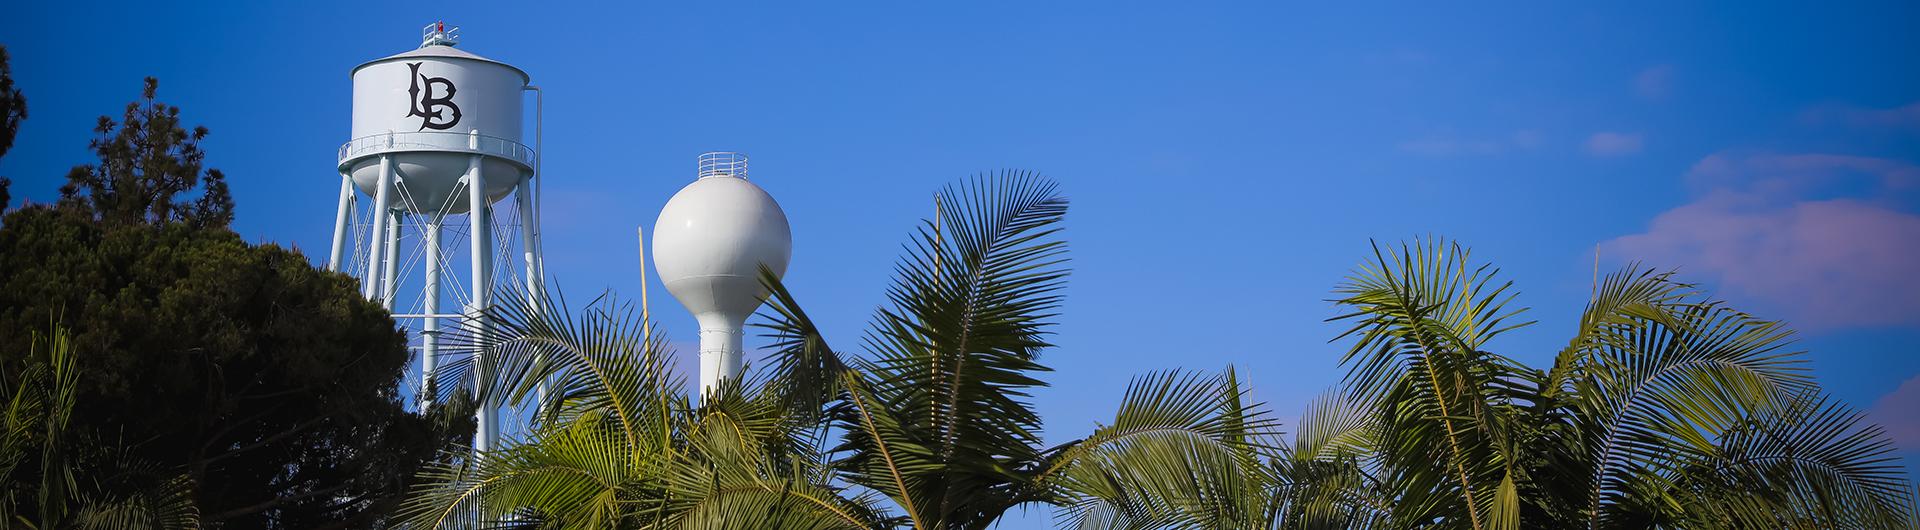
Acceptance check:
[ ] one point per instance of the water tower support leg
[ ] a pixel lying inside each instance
(390, 284)
(430, 328)
(369, 283)
(529, 245)
(720, 352)
(340, 222)
(482, 288)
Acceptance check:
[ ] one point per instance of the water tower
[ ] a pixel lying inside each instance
(708, 246)
(436, 143)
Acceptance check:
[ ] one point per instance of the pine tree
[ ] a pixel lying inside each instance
(13, 109)
(146, 159)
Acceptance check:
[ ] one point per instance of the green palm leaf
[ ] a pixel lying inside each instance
(617, 444)
(1183, 451)
(592, 363)
(935, 413)
(1803, 463)
(1672, 382)
(1421, 316)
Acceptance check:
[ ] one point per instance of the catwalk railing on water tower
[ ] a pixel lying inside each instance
(473, 143)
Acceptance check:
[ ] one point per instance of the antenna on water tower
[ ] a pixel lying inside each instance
(437, 134)
(708, 246)
(437, 34)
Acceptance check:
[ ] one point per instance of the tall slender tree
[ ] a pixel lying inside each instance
(13, 109)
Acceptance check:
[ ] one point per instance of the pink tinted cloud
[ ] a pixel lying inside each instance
(1899, 413)
(1613, 144)
(1770, 230)
(1780, 178)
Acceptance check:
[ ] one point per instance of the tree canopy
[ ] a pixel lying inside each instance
(271, 385)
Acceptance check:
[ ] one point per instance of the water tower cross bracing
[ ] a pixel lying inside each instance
(436, 145)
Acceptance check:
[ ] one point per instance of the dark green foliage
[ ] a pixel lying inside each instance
(52, 476)
(145, 160)
(935, 413)
(13, 108)
(13, 104)
(272, 386)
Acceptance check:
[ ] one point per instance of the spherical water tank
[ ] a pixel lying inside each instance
(708, 246)
(429, 110)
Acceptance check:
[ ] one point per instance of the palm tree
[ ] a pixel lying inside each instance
(616, 444)
(934, 414)
(927, 427)
(1185, 450)
(934, 411)
(52, 477)
(1665, 410)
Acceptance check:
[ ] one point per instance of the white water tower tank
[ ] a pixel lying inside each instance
(436, 140)
(708, 246)
(430, 108)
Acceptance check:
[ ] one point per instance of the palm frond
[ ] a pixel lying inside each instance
(1184, 450)
(1806, 462)
(739, 474)
(803, 368)
(159, 505)
(618, 444)
(579, 472)
(954, 351)
(1335, 425)
(1422, 299)
(1422, 315)
(594, 363)
(1327, 477)
(1670, 383)
(1624, 298)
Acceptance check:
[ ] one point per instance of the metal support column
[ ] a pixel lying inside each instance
(430, 325)
(342, 222)
(524, 200)
(477, 217)
(539, 157)
(390, 278)
(369, 283)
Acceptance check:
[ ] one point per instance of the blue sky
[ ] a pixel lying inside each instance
(1227, 162)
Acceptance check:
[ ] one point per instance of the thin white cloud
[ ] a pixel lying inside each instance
(1654, 83)
(1449, 145)
(1904, 116)
(1614, 143)
(1527, 138)
(1437, 146)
